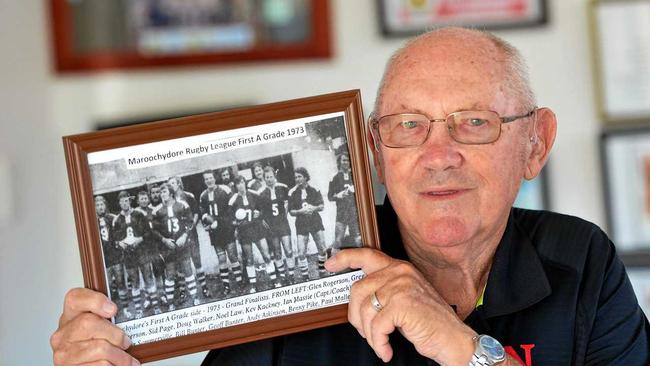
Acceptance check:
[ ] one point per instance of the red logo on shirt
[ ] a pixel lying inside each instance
(528, 354)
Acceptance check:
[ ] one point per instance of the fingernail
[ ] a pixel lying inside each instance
(135, 362)
(109, 308)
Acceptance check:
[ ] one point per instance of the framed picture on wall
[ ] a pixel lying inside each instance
(534, 194)
(98, 34)
(620, 34)
(408, 17)
(640, 278)
(626, 169)
(212, 230)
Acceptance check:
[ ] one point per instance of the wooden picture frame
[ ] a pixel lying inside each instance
(625, 156)
(98, 164)
(405, 18)
(619, 31)
(93, 35)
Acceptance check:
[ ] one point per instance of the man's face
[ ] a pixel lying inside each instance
(173, 183)
(269, 178)
(100, 207)
(143, 200)
(208, 179)
(155, 195)
(345, 163)
(446, 193)
(125, 203)
(241, 186)
(300, 179)
(259, 172)
(164, 194)
(225, 177)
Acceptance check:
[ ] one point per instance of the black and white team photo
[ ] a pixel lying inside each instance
(222, 225)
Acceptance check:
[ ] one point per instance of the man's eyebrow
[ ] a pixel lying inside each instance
(476, 106)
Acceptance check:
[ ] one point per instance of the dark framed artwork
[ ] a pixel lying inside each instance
(401, 18)
(626, 174)
(90, 35)
(177, 220)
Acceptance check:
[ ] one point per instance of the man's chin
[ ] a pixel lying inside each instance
(444, 233)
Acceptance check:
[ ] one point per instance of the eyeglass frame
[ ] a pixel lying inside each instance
(374, 126)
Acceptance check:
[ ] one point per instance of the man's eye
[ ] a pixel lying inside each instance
(409, 124)
(477, 122)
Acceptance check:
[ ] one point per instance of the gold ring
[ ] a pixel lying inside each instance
(375, 302)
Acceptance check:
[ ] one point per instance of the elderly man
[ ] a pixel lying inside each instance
(464, 278)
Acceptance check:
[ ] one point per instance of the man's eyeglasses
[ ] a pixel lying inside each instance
(465, 127)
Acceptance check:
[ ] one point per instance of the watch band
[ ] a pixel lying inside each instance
(479, 361)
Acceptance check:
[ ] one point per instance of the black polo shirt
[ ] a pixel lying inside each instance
(557, 294)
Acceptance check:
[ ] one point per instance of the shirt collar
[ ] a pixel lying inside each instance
(517, 278)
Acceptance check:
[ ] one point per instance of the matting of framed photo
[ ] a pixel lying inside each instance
(626, 174)
(401, 18)
(620, 34)
(92, 35)
(211, 230)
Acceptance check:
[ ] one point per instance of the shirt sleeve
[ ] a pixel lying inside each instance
(619, 332)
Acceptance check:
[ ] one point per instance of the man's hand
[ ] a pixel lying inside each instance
(409, 304)
(169, 243)
(180, 242)
(85, 336)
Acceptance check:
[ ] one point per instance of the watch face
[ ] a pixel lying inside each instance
(492, 348)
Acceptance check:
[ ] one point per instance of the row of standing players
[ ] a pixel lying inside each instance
(158, 239)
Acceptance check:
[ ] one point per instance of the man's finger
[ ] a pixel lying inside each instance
(97, 351)
(82, 300)
(90, 326)
(382, 326)
(366, 259)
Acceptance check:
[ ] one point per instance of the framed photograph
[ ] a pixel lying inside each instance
(621, 46)
(212, 230)
(626, 173)
(98, 34)
(534, 194)
(401, 18)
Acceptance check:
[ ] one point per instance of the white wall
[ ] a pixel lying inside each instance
(39, 259)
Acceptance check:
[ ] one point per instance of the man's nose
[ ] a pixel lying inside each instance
(440, 151)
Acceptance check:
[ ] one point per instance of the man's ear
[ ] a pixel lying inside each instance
(541, 139)
(375, 145)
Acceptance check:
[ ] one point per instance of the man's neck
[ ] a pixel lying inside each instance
(459, 273)
(127, 211)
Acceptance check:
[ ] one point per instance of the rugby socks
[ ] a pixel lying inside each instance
(279, 266)
(223, 273)
(321, 263)
(169, 290)
(137, 299)
(270, 270)
(304, 267)
(200, 276)
(291, 264)
(191, 285)
(236, 270)
(124, 301)
(151, 294)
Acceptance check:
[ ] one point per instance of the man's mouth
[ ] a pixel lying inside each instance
(441, 194)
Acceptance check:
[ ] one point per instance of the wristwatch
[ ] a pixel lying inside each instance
(487, 351)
